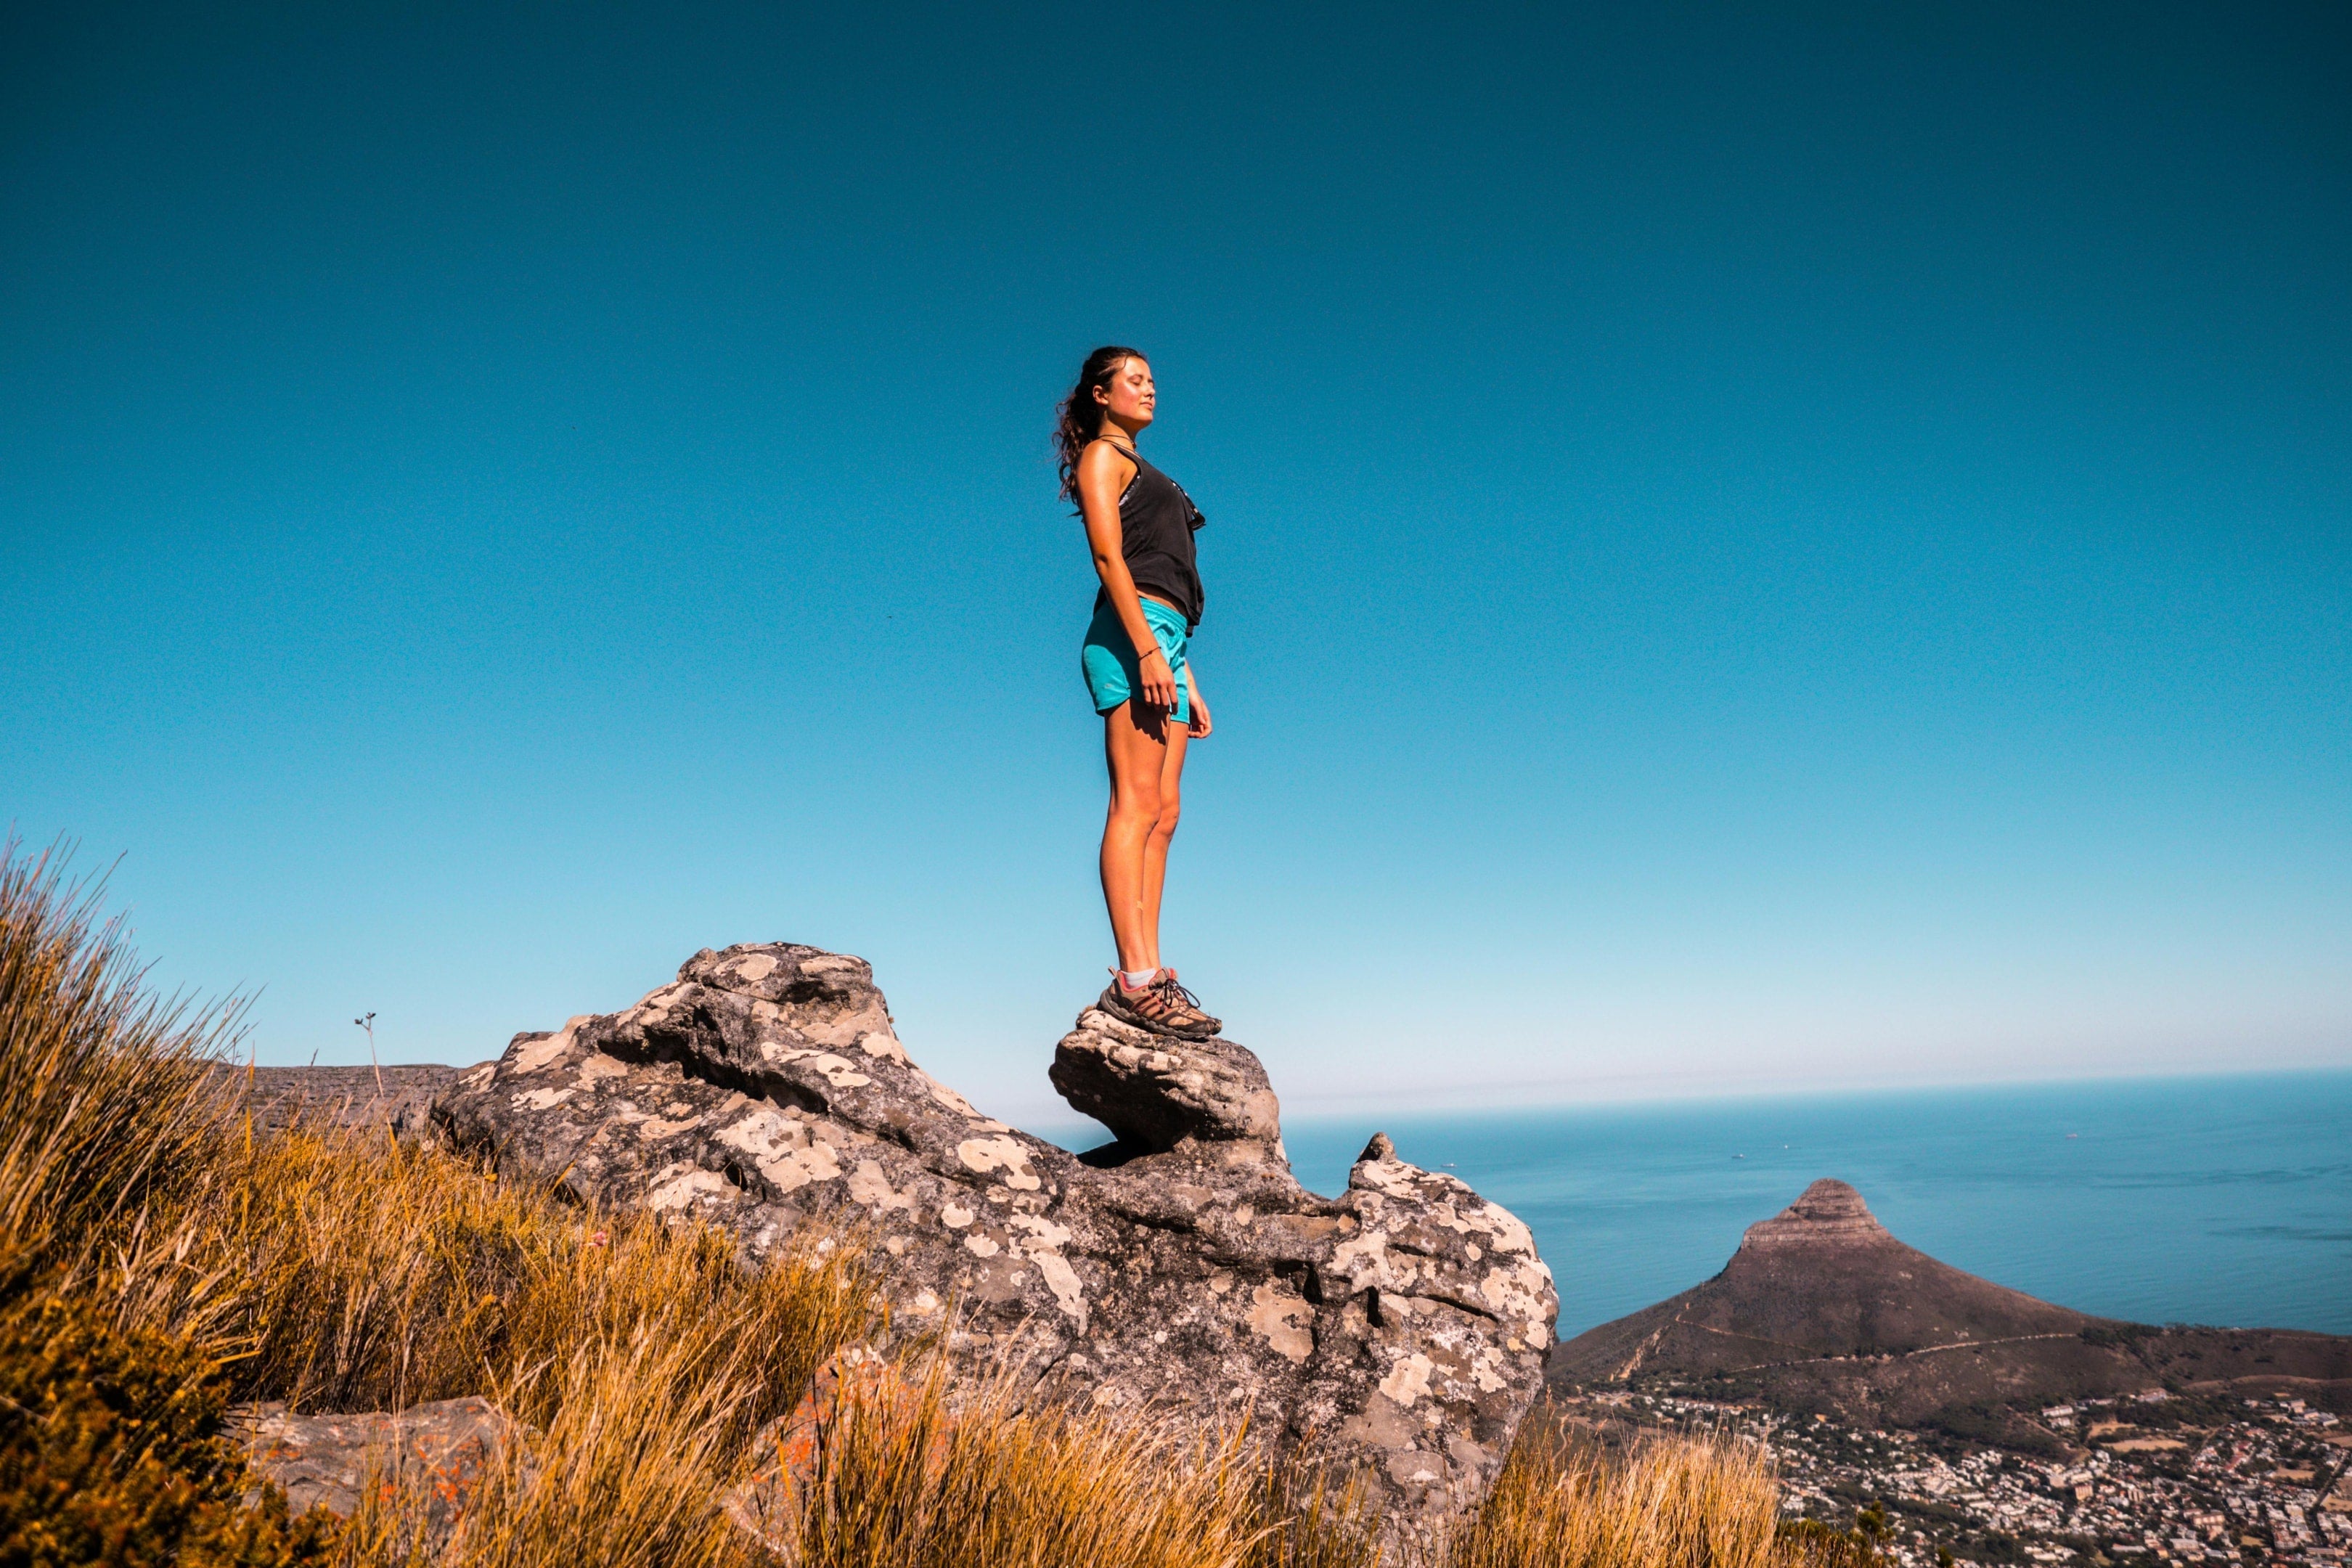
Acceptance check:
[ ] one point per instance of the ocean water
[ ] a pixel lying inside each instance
(2219, 1200)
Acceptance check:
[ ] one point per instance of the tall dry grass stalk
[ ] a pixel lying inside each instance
(639, 1443)
(639, 1358)
(1673, 1502)
(371, 1274)
(111, 1094)
(1311, 1517)
(924, 1474)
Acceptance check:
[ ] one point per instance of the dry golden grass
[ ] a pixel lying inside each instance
(638, 1440)
(927, 1475)
(645, 1363)
(108, 1100)
(374, 1275)
(641, 1359)
(1678, 1502)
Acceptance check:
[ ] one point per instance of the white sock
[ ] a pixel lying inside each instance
(1136, 979)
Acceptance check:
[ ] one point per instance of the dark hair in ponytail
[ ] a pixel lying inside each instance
(1081, 416)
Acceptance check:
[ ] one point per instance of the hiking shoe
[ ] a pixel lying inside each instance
(1168, 978)
(1163, 1007)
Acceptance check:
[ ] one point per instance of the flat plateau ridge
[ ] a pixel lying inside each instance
(1821, 1310)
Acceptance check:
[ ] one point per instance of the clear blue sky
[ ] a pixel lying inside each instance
(1751, 547)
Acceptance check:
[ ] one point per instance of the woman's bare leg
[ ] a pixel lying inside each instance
(1164, 828)
(1135, 747)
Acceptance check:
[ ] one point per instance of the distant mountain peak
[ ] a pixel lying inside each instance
(1820, 1308)
(1821, 1280)
(1828, 1211)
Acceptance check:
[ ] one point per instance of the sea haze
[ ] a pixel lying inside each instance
(2209, 1200)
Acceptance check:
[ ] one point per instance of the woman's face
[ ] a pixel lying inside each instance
(1129, 396)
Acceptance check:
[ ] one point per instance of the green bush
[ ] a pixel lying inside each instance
(1997, 1546)
(2124, 1335)
(1813, 1543)
(1993, 1424)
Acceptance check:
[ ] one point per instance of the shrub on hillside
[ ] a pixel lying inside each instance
(110, 1451)
(1816, 1544)
(111, 1094)
(2120, 1335)
(109, 1446)
(1995, 1425)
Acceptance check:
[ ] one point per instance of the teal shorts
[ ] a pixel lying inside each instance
(1109, 662)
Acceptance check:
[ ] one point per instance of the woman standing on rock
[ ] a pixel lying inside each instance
(1139, 525)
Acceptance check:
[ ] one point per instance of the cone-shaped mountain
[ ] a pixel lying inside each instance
(1820, 1278)
(1822, 1309)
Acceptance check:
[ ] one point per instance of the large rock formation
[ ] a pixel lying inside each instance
(1401, 1326)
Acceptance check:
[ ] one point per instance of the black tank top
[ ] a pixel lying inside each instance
(1156, 521)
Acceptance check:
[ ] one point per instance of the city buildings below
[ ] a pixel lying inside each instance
(2260, 1483)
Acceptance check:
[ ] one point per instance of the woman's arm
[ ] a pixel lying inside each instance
(1200, 726)
(1101, 481)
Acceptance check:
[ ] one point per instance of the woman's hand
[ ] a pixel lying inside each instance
(1158, 680)
(1200, 726)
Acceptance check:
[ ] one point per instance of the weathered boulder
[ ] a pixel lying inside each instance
(766, 1501)
(1401, 1327)
(441, 1449)
(1154, 1092)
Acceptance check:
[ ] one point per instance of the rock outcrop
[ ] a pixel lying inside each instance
(1830, 1215)
(445, 1448)
(1155, 1093)
(397, 1099)
(1401, 1327)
